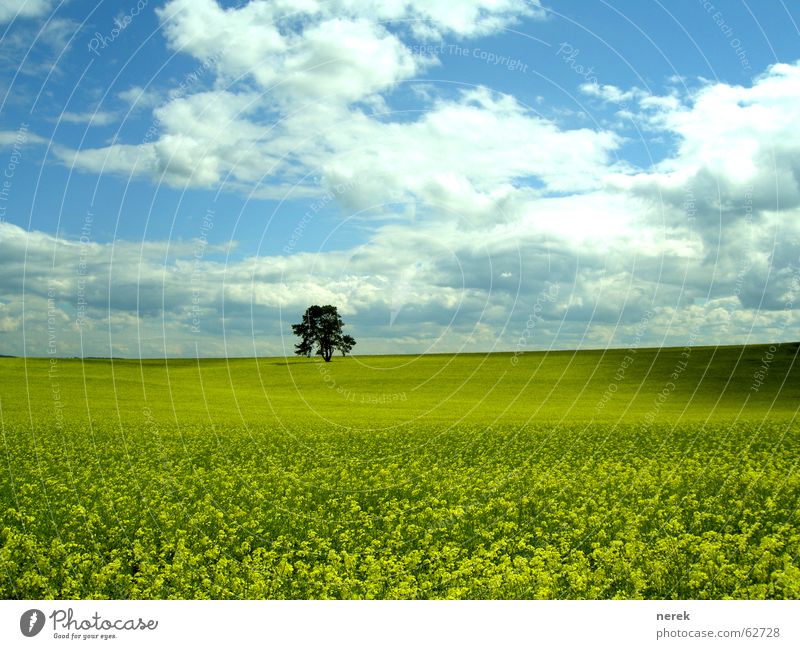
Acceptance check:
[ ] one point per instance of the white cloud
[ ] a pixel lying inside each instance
(139, 98)
(467, 153)
(733, 180)
(241, 40)
(738, 135)
(203, 136)
(611, 93)
(19, 138)
(434, 18)
(342, 60)
(313, 63)
(95, 118)
(260, 26)
(36, 48)
(11, 9)
(327, 55)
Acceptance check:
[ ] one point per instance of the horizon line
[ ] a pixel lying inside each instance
(471, 353)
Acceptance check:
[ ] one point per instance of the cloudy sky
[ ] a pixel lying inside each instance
(184, 177)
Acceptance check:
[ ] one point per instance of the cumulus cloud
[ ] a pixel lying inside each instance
(730, 138)
(297, 52)
(474, 150)
(11, 9)
(90, 118)
(19, 138)
(264, 28)
(293, 70)
(611, 93)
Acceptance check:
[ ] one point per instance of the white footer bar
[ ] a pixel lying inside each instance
(439, 624)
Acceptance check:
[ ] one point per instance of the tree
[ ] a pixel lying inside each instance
(321, 328)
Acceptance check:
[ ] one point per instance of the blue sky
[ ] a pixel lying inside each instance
(186, 177)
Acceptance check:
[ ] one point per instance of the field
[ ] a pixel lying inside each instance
(644, 474)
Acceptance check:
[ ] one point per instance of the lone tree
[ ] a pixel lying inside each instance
(321, 328)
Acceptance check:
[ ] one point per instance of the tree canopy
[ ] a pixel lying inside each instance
(320, 333)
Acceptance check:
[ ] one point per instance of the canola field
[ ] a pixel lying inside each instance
(653, 474)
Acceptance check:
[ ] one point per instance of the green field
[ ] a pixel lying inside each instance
(619, 474)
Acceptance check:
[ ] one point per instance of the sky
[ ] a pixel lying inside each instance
(185, 177)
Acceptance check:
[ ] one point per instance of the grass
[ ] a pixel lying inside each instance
(665, 473)
(369, 391)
